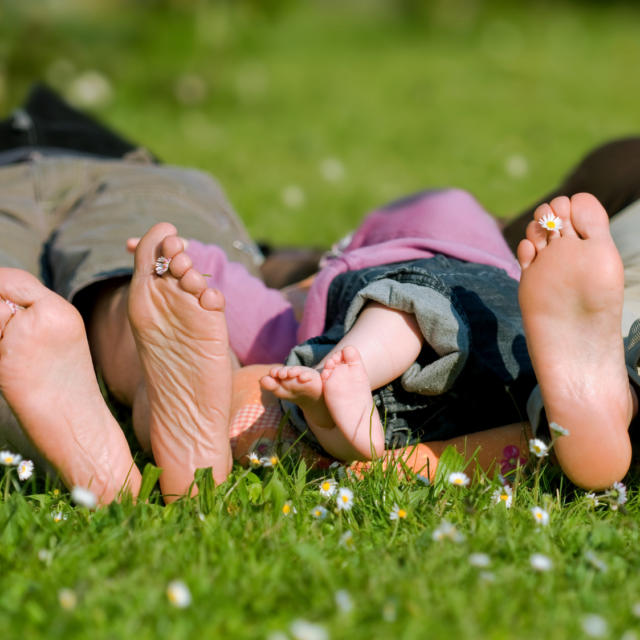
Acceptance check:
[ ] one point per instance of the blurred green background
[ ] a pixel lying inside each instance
(312, 112)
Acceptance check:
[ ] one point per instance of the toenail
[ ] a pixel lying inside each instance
(161, 265)
(550, 222)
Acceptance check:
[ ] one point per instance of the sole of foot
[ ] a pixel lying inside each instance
(347, 394)
(48, 380)
(181, 336)
(571, 295)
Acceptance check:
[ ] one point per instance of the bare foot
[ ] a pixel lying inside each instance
(347, 394)
(47, 378)
(303, 386)
(181, 334)
(571, 296)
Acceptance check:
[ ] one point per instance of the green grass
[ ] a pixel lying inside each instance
(452, 94)
(252, 571)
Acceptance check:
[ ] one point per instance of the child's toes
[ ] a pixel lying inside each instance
(526, 252)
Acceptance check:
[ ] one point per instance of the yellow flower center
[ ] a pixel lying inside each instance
(326, 486)
(345, 498)
(56, 492)
(286, 509)
(539, 516)
(402, 513)
(504, 497)
(551, 224)
(273, 459)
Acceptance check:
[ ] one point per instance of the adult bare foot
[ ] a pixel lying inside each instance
(47, 378)
(181, 334)
(347, 394)
(571, 296)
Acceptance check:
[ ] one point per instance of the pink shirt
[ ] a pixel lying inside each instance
(262, 325)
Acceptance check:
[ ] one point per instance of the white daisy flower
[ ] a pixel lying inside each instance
(556, 428)
(10, 459)
(319, 512)
(594, 626)
(344, 601)
(347, 541)
(25, 470)
(178, 594)
(288, 508)
(592, 499)
(84, 497)
(538, 448)
(540, 516)
(540, 562)
(328, 487)
(503, 495)
(344, 499)
(254, 459)
(621, 493)
(479, 560)
(304, 630)
(269, 461)
(459, 479)
(58, 516)
(397, 513)
(446, 531)
(550, 222)
(67, 599)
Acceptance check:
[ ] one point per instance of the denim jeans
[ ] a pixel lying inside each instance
(474, 371)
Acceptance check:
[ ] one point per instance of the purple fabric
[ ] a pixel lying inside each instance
(450, 222)
(262, 325)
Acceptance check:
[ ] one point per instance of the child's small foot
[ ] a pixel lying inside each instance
(347, 394)
(571, 296)
(303, 386)
(181, 336)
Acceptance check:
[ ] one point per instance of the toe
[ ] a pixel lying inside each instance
(21, 287)
(588, 216)
(350, 355)
(171, 246)
(193, 282)
(212, 300)
(536, 234)
(148, 249)
(526, 253)
(179, 264)
(561, 207)
(5, 315)
(268, 383)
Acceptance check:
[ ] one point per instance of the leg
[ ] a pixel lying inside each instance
(180, 331)
(610, 172)
(378, 348)
(571, 296)
(47, 377)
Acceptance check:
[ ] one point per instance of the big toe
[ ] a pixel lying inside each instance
(588, 216)
(148, 248)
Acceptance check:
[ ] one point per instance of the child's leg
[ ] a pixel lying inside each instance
(380, 347)
(571, 296)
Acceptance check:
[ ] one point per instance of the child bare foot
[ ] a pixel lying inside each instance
(571, 296)
(181, 335)
(303, 386)
(47, 378)
(338, 397)
(347, 395)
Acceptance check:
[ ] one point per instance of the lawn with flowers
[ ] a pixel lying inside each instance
(310, 115)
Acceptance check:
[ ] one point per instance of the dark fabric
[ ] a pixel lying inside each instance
(497, 378)
(47, 122)
(610, 172)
